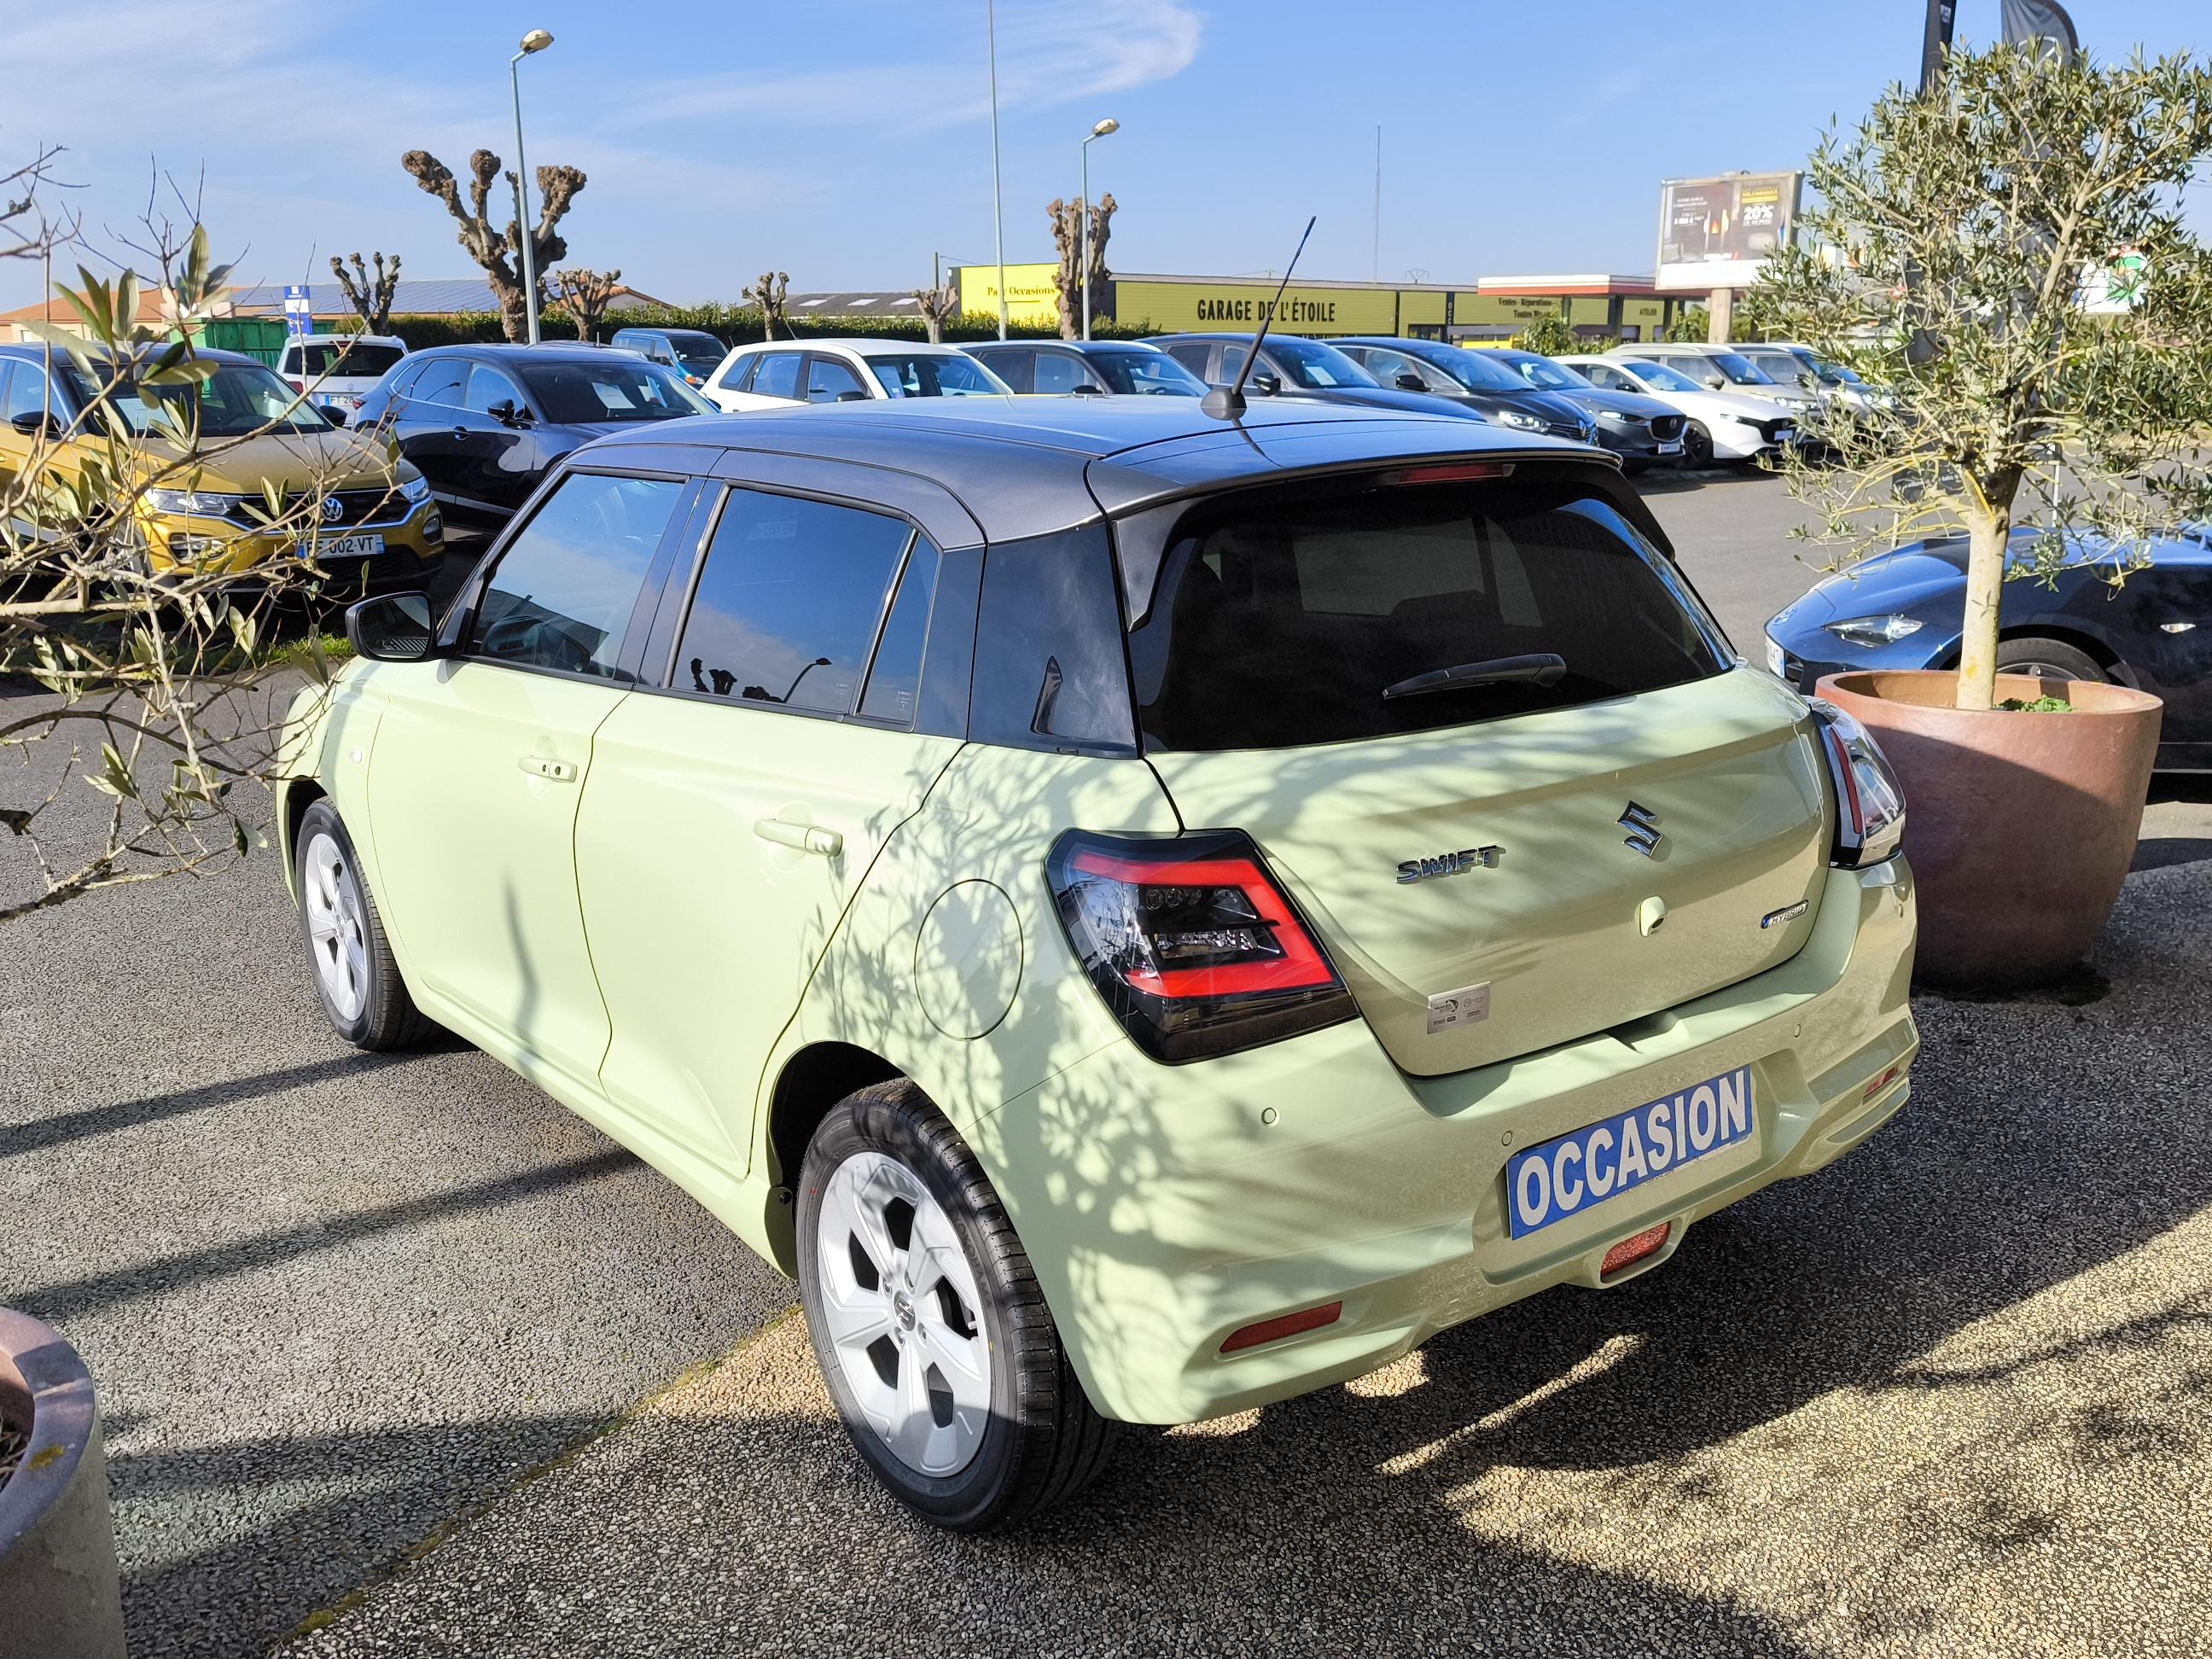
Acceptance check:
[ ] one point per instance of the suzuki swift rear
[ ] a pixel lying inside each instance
(1143, 916)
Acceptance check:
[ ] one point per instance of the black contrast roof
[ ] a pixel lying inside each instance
(1029, 467)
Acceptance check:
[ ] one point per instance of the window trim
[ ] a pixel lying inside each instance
(459, 623)
(673, 644)
(514, 381)
(467, 362)
(806, 376)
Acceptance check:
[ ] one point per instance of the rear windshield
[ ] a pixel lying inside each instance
(361, 361)
(1283, 623)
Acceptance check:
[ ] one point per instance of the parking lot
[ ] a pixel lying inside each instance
(400, 1358)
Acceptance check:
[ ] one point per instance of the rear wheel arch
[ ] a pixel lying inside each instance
(813, 1081)
(2093, 645)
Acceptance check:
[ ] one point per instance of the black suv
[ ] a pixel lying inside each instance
(485, 423)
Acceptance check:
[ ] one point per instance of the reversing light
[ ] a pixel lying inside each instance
(1449, 472)
(1632, 1250)
(1274, 1330)
(1869, 800)
(1190, 941)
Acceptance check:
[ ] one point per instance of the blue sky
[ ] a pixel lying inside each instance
(844, 141)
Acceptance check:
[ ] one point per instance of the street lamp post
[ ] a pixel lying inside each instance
(535, 41)
(998, 207)
(1083, 274)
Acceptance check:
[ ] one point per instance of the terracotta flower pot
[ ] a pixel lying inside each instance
(58, 1589)
(2021, 827)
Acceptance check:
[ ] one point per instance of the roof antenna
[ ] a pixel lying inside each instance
(1227, 402)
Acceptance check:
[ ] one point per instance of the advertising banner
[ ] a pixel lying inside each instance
(1716, 233)
(1174, 308)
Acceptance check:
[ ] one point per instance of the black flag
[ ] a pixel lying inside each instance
(2026, 22)
(1937, 40)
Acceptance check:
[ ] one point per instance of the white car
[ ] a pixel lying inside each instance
(776, 374)
(1723, 425)
(1724, 368)
(337, 371)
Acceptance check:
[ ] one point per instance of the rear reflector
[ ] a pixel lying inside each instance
(1875, 1084)
(1632, 1250)
(1274, 1330)
(1451, 472)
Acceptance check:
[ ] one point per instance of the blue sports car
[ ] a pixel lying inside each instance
(1903, 609)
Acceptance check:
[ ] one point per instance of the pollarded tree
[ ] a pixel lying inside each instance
(934, 305)
(1969, 255)
(369, 295)
(495, 250)
(586, 295)
(769, 291)
(1068, 242)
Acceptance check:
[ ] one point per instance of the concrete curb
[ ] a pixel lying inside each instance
(58, 1585)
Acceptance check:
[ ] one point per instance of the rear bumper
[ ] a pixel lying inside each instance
(1165, 1208)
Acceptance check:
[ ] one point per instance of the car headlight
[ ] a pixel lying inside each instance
(198, 503)
(416, 488)
(1873, 630)
(1742, 420)
(1515, 417)
(1614, 417)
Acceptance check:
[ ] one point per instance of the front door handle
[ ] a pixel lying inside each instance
(806, 837)
(545, 766)
(461, 433)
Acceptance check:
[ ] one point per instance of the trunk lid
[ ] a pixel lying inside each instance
(1553, 928)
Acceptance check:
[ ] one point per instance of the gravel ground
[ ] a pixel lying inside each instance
(330, 1301)
(1948, 1395)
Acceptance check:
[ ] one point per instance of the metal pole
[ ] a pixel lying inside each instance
(1375, 269)
(522, 202)
(1083, 270)
(998, 207)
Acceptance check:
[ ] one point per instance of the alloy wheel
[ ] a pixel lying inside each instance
(902, 1314)
(337, 936)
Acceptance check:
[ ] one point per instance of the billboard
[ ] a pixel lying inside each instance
(1715, 233)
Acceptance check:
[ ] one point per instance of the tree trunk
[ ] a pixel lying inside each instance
(1988, 531)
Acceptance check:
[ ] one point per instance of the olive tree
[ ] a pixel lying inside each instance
(166, 682)
(1972, 255)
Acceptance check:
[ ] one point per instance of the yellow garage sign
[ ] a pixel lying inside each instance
(1031, 295)
(1173, 307)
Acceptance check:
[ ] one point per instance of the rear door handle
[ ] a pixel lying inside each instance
(460, 432)
(545, 766)
(806, 837)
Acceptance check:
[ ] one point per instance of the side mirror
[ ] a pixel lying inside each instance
(36, 423)
(1266, 386)
(852, 396)
(1086, 389)
(1716, 382)
(391, 628)
(506, 414)
(334, 415)
(1410, 383)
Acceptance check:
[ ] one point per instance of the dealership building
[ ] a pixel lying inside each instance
(1489, 311)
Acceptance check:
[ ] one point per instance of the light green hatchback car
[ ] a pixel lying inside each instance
(1143, 915)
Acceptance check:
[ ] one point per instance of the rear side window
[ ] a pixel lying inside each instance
(787, 605)
(1284, 620)
(562, 594)
(440, 381)
(1017, 368)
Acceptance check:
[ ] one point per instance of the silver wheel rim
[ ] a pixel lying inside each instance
(902, 1313)
(2041, 670)
(338, 938)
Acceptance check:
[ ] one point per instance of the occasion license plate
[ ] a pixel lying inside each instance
(348, 547)
(1565, 1177)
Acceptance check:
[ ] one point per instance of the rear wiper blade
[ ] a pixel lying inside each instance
(1538, 668)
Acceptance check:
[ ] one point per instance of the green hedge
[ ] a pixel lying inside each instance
(736, 324)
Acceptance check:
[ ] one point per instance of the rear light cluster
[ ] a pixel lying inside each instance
(1195, 948)
(1869, 800)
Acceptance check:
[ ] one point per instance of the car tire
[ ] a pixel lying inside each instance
(348, 955)
(939, 1352)
(2053, 659)
(1697, 446)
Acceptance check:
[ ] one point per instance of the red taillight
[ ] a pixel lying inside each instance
(1630, 1251)
(1191, 943)
(1274, 1330)
(295, 383)
(1450, 472)
(1869, 800)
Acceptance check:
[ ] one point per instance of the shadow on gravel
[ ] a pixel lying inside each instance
(73, 1297)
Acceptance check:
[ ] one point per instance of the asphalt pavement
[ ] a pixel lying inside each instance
(398, 1357)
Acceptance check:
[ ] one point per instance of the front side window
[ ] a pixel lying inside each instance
(787, 603)
(1388, 366)
(1740, 369)
(1659, 377)
(828, 380)
(1146, 373)
(955, 375)
(1058, 373)
(26, 390)
(1543, 372)
(1337, 614)
(562, 594)
(609, 387)
(488, 388)
(1316, 367)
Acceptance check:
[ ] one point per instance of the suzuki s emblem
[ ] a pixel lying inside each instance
(1643, 826)
(1449, 864)
(333, 509)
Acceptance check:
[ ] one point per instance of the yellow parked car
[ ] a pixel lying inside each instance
(375, 515)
